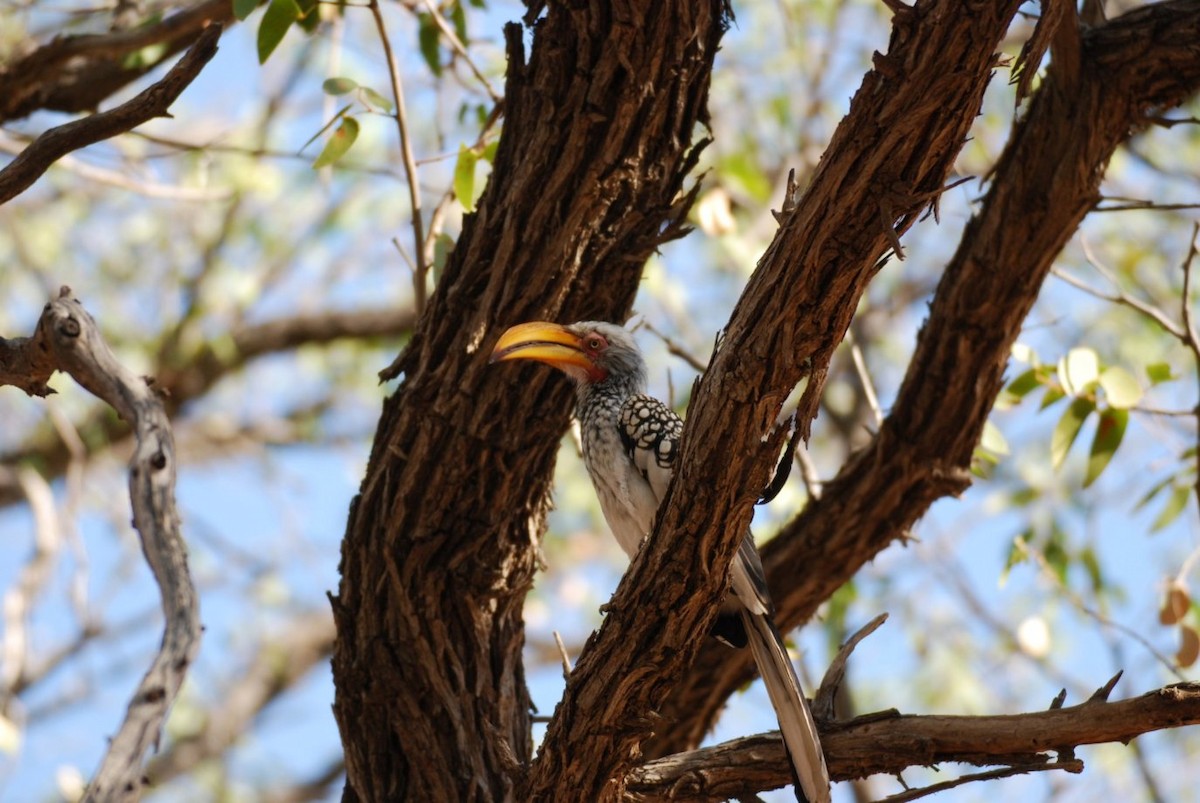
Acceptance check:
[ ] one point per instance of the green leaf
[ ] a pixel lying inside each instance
(1175, 504)
(337, 145)
(427, 38)
(458, 16)
(1158, 488)
(1018, 553)
(327, 126)
(310, 17)
(464, 177)
(1023, 384)
(1057, 556)
(1053, 394)
(373, 98)
(1120, 387)
(1067, 429)
(443, 246)
(1018, 389)
(244, 8)
(1080, 368)
(489, 151)
(339, 86)
(275, 22)
(1109, 433)
(1158, 372)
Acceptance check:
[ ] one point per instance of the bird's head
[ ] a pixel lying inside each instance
(590, 352)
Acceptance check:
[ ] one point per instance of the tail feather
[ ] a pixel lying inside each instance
(795, 720)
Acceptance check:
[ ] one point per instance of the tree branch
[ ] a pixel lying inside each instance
(154, 101)
(68, 340)
(76, 73)
(182, 383)
(888, 743)
(281, 662)
(1045, 182)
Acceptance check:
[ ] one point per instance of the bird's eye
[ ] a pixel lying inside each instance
(595, 343)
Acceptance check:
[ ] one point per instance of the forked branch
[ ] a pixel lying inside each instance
(68, 340)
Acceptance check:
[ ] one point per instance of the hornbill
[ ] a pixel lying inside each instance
(630, 443)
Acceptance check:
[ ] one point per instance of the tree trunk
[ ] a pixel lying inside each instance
(442, 541)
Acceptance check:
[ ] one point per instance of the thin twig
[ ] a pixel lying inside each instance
(1121, 298)
(457, 46)
(864, 376)
(562, 653)
(1044, 564)
(410, 165)
(1191, 340)
(1074, 766)
(675, 348)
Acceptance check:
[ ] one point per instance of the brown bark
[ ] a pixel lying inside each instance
(889, 743)
(77, 73)
(154, 101)
(441, 544)
(1046, 181)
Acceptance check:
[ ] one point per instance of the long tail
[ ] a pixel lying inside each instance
(795, 720)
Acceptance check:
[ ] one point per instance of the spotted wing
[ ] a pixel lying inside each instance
(650, 432)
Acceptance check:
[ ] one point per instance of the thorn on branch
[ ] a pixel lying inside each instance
(791, 196)
(822, 707)
(1058, 700)
(1101, 694)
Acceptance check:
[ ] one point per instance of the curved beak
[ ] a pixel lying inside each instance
(546, 342)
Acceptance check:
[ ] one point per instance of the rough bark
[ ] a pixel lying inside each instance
(888, 743)
(441, 543)
(1045, 182)
(68, 340)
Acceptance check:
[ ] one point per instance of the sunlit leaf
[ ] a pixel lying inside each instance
(278, 18)
(327, 126)
(1175, 606)
(1109, 432)
(1176, 502)
(377, 100)
(992, 439)
(1189, 646)
(1158, 372)
(1023, 353)
(337, 145)
(1121, 388)
(244, 8)
(10, 736)
(1077, 370)
(427, 39)
(1067, 429)
(339, 86)
(489, 151)
(464, 177)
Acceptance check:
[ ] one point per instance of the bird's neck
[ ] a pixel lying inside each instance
(610, 393)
